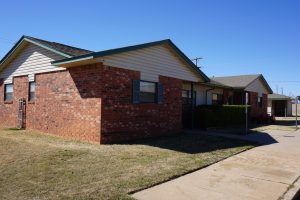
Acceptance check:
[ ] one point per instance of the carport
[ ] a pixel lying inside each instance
(279, 105)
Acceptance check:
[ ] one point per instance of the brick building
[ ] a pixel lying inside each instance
(255, 86)
(114, 95)
(104, 97)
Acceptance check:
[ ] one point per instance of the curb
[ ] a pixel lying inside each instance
(293, 191)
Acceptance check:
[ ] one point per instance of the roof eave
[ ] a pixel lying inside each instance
(216, 85)
(25, 38)
(206, 79)
(281, 99)
(12, 50)
(68, 61)
(264, 81)
(266, 84)
(48, 48)
(260, 76)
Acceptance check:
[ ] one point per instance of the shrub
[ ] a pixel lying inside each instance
(220, 115)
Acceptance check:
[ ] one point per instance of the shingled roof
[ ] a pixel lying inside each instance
(241, 81)
(61, 49)
(70, 50)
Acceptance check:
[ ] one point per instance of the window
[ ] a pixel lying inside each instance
(259, 102)
(186, 97)
(8, 92)
(31, 96)
(217, 99)
(147, 92)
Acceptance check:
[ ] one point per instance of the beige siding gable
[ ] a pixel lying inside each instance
(31, 60)
(152, 62)
(257, 86)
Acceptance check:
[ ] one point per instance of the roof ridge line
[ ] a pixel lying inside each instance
(52, 42)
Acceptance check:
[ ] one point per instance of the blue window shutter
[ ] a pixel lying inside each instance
(160, 93)
(136, 91)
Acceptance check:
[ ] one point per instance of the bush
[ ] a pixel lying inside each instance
(220, 115)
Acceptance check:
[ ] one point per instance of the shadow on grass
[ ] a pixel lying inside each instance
(13, 129)
(192, 143)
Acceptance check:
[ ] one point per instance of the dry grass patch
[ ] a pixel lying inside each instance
(37, 166)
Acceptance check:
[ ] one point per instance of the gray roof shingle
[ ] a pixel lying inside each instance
(72, 51)
(241, 81)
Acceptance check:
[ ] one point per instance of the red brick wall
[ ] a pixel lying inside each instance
(123, 120)
(94, 103)
(9, 110)
(67, 103)
(257, 111)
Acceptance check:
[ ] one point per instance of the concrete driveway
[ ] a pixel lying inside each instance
(265, 172)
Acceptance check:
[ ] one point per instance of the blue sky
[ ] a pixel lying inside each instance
(233, 36)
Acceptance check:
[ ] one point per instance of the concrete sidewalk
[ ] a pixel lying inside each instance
(265, 172)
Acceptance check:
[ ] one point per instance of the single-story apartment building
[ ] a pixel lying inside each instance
(114, 95)
(104, 97)
(279, 105)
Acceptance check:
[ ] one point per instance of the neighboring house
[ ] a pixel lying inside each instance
(104, 97)
(235, 92)
(279, 105)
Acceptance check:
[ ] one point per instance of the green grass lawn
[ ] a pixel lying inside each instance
(38, 166)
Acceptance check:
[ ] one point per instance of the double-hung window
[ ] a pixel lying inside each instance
(147, 92)
(8, 92)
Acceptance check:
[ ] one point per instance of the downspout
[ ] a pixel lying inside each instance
(206, 91)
